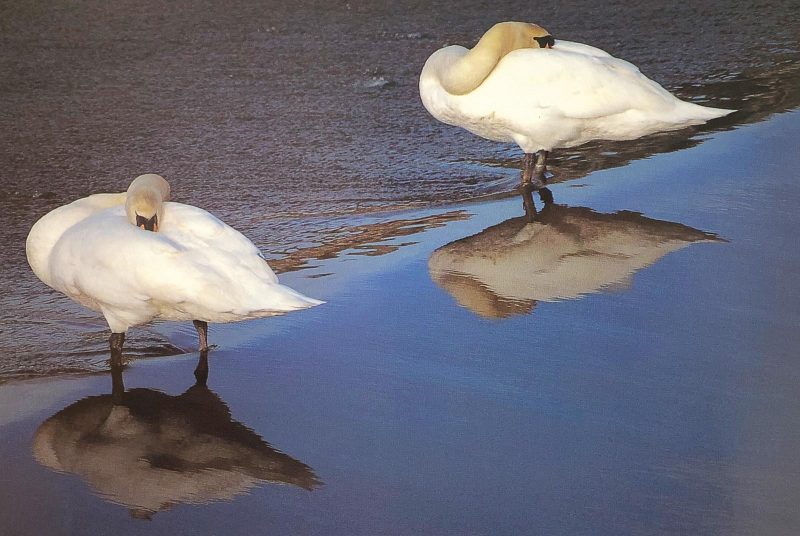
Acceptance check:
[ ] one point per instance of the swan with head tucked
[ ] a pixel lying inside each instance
(135, 257)
(519, 84)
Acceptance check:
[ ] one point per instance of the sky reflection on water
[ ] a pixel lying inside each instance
(667, 408)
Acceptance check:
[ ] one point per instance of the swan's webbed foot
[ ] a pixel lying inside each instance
(534, 169)
(202, 333)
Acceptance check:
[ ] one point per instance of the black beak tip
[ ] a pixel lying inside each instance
(148, 224)
(546, 41)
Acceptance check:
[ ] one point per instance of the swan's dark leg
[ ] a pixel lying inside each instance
(202, 332)
(117, 385)
(528, 163)
(201, 372)
(534, 169)
(116, 341)
(539, 170)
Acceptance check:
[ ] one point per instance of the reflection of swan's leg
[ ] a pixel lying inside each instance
(115, 341)
(527, 201)
(201, 372)
(526, 191)
(540, 169)
(202, 332)
(546, 196)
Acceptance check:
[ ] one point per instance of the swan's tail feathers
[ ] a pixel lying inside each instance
(714, 113)
(290, 300)
(705, 113)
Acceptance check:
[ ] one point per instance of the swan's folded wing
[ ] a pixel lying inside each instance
(97, 261)
(571, 83)
(195, 227)
(196, 267)
(218, 268)
(46, 232)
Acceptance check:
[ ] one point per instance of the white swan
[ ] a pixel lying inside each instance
(520, 85)
(100, 252)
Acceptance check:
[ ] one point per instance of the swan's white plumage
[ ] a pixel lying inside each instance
(544, 99)
(195, 268)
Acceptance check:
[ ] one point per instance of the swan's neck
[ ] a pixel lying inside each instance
(469, 71)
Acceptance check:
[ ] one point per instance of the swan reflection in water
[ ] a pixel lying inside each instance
(149, 451)
(561, 253)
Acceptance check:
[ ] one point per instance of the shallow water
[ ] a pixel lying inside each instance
(295, 121)
(660, 402)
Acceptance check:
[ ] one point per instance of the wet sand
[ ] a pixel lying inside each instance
(655, 397)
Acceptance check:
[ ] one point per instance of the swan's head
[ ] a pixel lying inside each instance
(471, 70)
(515, 35)
(144, 204)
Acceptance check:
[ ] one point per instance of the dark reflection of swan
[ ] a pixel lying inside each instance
(560, 253)
(150, 451)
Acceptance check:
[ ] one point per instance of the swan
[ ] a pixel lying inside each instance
(136, 256)
(519, 84)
